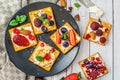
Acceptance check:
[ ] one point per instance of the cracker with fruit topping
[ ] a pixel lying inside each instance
(65, 38)
(93, 67)
(42, 20)
(97, 31)
(44, 56)
(22, 37)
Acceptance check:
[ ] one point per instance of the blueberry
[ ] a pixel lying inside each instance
(44, 29)
(63, 30)
(44, 15)
(51, 23)
(37, 22)
(86, 61)
(97, 67)
(65, 44)
(90, 66)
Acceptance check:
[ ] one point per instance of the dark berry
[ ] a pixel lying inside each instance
(44, 15)
(37, 22)
(95, 25)
(86, 61)
(65, 44)
(63, 30)
(90, 65)
(99, 32)
(102, 39)
(97, 67)
(51, 23)
(44, 29)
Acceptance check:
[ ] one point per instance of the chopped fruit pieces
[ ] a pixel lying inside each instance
(31, 37)
(102, 39)
(44, 29)
(16, 31)
(25, 32)
(101, 26)
(20, 40)
(87, 36)
(99, 32)
(52, 50)
(49, 17)
(39, 58)
(47, 56)
(94, 25)
(65, 44)
(63, 30)
(72, 37)
(37, 22)
(51, 23)
(86, 61)
(93, 36)
(42, 45)
(106, 30)
(58, 40)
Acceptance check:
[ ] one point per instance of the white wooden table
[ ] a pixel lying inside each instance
(110, 53)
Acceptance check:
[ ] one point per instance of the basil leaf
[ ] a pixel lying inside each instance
(46, 21)
(65, 36)
(22, 18)
(17, 18)
(41, 18)
(13, 23)
(39, 58)
(77, 5)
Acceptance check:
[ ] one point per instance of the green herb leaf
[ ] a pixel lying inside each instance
(41, 18)
(46, 21)
(39, 58)
(62, 78)
(77, 5)
(65, 36)
(13, 23)
(61, 36)
(22, 18)
(79, 75)
(21, 29)
(17, 18)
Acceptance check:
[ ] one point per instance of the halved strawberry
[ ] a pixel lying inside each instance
(47, 56)
(31, 37)
(20, 40)
(72, 37)
(58, 39)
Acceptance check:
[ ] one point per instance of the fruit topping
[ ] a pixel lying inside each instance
(98, 59)
(94, 25)
(93, 36)
(52, 50)
(101, 26)
(93, 75)
(90, 66)
(37, 22)
(51, 23)
(72, 37)
(44, 15)
(44, 29)
(102, 39)
(31, 37)
(65, 44)
(99, 32)
(87, 36)
(97, 67)
(49, 17)
(42, 44)
(16, 31)
(25, 32)
(58, 39)
(63, 30)
(64, 36)
(106, 30)
(47, 56)
(86, 61)
(20, 40)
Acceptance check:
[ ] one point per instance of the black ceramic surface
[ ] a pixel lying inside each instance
(20, 59)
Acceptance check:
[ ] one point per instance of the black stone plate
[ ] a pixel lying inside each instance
(20, 59)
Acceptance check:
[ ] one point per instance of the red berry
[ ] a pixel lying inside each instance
(99, 32)
(83, 65)
(52, 50)
(93, 74)
(42, 45)
(102, 39)
(101, 26)
(72, 76)
(94, 25)
(49, 17)
(16, 31)
(31, 37)
(99, 62)
(47, 56)
(98, 59)
(106, 30)
(87, 36)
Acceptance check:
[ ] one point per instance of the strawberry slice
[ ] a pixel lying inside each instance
(58, 40)
(72, 37)
(20, 40)
(47, 56)
(31, 37)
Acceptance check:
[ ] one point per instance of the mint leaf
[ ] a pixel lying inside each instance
(41, 18)
(17, 18)
(77, 5)
(39, 58)
(65, 36)
(22, 18)
(46, 21)
(13, 23)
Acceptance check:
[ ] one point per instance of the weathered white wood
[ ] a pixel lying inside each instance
(105, 51)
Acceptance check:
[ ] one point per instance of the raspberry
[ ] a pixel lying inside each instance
(49, 17)
(47, 56)
(31, 37)
(42, 45)
(16, 31)
(52, 50)
(94, 25)
(102, 39)
(87, 36)
(99, 32)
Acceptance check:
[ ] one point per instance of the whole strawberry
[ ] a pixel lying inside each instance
(72, 76)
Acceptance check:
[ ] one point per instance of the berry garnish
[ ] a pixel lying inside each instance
(101, 26)
(97, 67)
(93, 74)
(58, 39)
(47, 56)
(44, 29)
(90, 65)
(106, 30)
(94, 25)
(49, 17)
(51, 23)
(52, 50)
(20, 40)
(16, 31)
(65, 44)
(99, 32)
(42, 44)
(86, 61)
(44, 15)
(87, 36)
(37, 22)
(31, 37)
(98, 59)
(102, 39)
(63, 30)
